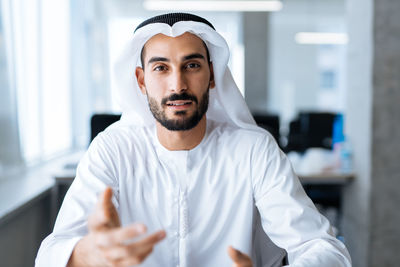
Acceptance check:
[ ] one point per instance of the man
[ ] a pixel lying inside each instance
(195, 177)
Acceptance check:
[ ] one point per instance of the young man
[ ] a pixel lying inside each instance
(188, 165)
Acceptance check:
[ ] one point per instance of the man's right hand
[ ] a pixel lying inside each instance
(109, 244)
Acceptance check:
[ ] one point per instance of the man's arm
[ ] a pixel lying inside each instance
(288, 216)
(96, 171)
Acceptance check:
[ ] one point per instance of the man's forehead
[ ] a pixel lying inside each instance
(186, 37)
(189, 41)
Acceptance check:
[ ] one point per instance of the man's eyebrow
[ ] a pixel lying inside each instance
(188, 57)
(156, 59)
(194, 55)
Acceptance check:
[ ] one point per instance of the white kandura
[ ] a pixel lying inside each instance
(204, 198)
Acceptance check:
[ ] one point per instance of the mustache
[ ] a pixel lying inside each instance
(183, 96)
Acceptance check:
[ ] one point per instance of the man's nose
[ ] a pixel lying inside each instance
(178, 82)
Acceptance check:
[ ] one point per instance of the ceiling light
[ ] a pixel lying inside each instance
(247, 6)
(321, 38)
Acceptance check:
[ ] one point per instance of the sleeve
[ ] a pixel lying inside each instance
(288, 216)
(96, 171)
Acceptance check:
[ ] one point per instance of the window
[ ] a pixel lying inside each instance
(39, 36)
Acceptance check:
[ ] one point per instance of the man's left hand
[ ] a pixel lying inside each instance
(239, 259)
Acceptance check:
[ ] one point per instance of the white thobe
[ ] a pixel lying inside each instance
(205, 198)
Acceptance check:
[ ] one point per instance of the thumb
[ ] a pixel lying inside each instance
(105, 215)
(239, 258)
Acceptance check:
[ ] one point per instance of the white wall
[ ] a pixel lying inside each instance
(358, 128)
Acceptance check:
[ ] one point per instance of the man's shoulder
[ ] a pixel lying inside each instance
(126, 134)
(233, 133)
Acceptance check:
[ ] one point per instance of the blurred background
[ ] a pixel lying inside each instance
(321, 76)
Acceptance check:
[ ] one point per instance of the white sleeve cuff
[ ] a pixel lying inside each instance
(55, 252)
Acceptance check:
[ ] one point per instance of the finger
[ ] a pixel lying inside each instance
(140, 250)
(147, 242)
(134, 253)
(238, 257)
(108, 208)
(134, 259)
(234, 254)
(150, 240)
(119, 236)
(123, 253)
(105, 215)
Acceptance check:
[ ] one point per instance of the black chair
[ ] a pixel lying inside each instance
(295, 138)
(99, 122)
(270, 123)
(310, 129)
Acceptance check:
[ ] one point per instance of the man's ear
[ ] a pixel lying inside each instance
(212, 81)
(140, 79)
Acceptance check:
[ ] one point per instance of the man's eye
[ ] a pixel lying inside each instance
(160, 68)
(192, 66)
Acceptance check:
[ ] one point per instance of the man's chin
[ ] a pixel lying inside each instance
(178, 126)
(177, 114)
(180, 116)
(180, 123)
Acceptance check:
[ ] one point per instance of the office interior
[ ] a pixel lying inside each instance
(321, 76)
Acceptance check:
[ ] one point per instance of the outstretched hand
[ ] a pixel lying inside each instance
(239, 259)
(109, 244)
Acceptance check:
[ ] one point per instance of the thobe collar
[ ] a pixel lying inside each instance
(178, 156)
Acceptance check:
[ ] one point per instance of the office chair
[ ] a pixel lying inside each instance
(311, 129)
(270, 123)
(99, 122)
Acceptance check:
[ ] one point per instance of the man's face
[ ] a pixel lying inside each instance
(176, 79)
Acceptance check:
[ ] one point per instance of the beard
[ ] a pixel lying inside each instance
(183, 123)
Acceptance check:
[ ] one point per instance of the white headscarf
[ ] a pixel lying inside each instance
(226, 104)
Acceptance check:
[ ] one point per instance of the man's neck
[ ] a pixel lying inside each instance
(182, 140)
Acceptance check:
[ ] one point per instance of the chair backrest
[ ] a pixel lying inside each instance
(99, 122)
(318, 128)
(270, 123)
(311, 129)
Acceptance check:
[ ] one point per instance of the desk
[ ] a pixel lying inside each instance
(326, 190)
(326, 178)
(66, 176)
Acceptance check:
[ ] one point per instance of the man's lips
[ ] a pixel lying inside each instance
(179, 104)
